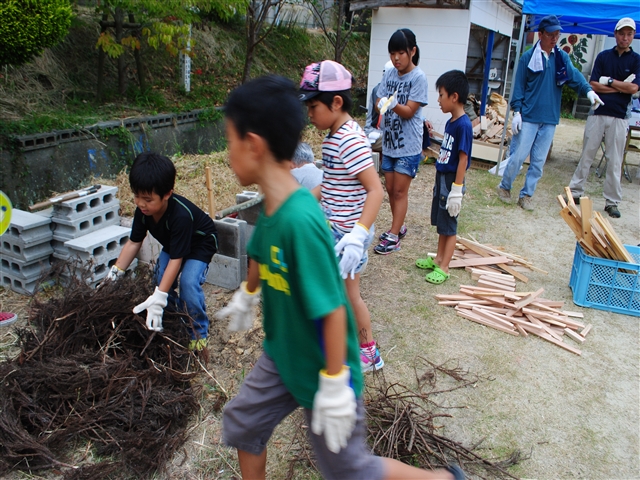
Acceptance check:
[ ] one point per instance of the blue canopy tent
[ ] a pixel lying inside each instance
(596, 17)
(582, 16)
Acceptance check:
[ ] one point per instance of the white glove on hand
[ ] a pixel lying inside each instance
(516, 123)
(594, 99)
(352, 248)
(454, 200)
(115, 273)
(240, 308)
(154, 305)
(630, 78)
(385, 104)
(334, 409)
(604, 80)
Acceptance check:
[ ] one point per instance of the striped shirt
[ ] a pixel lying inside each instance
(345, 154)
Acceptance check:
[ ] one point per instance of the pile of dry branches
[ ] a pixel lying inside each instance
(90, 375)
(402, 422)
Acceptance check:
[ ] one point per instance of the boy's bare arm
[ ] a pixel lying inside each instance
(463, 160)
(170, 274)
(334, 331)
(371, 183)
(128, 253)
(253, 276)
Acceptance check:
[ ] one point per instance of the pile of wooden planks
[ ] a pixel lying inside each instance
(491, 131)
(595, 234)
(470, 253)
(495, 303)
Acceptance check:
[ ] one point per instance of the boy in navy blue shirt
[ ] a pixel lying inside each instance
(452, 164)
(188, 239)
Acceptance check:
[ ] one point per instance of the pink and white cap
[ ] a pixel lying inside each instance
(325, 76)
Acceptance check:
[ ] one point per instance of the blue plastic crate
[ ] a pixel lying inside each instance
(606, 284)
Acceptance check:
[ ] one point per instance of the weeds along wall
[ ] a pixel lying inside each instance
(34, 166)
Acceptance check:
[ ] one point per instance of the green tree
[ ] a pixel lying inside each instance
(27, 27)
(162, 23)
(257, 15)
(336, 21)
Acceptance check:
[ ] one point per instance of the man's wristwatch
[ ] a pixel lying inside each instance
(610, 81)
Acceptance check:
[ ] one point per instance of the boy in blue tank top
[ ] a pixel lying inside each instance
(451, 166)
(311, 354)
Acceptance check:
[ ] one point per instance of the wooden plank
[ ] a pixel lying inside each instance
(586, 209)
(494, 318)
(572, 221)
(521, 330)
(484, 249)
(616, 243)
(561, 201)
(559, 343)
(569, 195)
(543, 316)
(475, 318)
(503, 279)
(498, 286)
(478, 261)
(573, 314)
(574, 335)
(544, 327)
(528, 299)
(586, 330)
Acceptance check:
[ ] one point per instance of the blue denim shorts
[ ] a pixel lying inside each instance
(404, 165)
(445, 224)
(337, 236)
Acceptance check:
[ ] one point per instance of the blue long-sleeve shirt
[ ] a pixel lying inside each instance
(536, 95)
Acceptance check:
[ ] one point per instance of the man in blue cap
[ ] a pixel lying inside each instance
(615, 76)
(537, 93)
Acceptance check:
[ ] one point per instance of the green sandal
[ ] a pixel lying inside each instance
(437, 276)
(426, 263)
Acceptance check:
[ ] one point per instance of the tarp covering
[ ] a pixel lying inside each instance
(597, 17)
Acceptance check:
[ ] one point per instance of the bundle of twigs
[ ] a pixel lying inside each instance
(90, 373)
(402, 423)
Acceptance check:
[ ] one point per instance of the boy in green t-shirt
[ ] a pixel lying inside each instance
(311, 354)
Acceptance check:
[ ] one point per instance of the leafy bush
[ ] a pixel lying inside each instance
(29, 26)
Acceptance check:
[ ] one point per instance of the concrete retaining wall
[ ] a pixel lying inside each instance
(34, 166)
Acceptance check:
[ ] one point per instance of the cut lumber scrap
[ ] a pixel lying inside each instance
(479, 261)
(493, 317)
(617, 245)
(476, 318)
(560, 343)
(502, 279)
(577, 337)
(572, 221)
(586, 330)
(528, 299)
(543, 316)
(586, 209)
(499, 286)
(573, 314)
(544, 327)
(521, 330)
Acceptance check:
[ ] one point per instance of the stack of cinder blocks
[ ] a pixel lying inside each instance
(87, 231)
(25, 251)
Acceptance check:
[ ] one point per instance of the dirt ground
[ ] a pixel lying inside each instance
(574, 416)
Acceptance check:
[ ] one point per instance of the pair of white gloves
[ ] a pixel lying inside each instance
(154, 305)
(516, 122)
(334, 405)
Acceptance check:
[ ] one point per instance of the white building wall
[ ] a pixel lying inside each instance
(492, 15)
(442, 36)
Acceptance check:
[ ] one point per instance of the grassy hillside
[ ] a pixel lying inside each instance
(57, 90)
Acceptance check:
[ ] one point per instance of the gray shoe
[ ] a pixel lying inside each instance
(525, 203)
(613, 211)
(504, 195)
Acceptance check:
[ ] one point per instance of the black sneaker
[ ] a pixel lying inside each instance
(613, 211)
(388, 245)
(401, 235)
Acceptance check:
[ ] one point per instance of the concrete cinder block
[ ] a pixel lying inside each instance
(249, 215)
(18, 285)
(81, 207)
(64, 229)
(10, 247)
(27, 229)
(26, 271)
(232, 237)
(99, 271)
(227, 272)
(100, 246)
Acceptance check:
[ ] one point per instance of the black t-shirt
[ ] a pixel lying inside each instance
(609, 64)
(184, 231)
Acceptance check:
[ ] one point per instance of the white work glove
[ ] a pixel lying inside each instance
(240, 308)
(386, 104)
(454, 200)
(351, 245)
(334, 409)
(604, 80)
(154, 305)
(594, 99)
(630, 78)
(115, 273)
(516, 123)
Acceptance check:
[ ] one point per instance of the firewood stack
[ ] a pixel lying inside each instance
(500, 307)
(595, 234)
